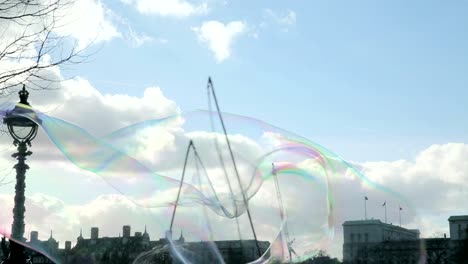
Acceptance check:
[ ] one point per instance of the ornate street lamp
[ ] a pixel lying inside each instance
(23, 131)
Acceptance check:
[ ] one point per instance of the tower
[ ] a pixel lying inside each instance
(78, 239)
(181, 238)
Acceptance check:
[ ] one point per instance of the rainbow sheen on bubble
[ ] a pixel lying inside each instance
(144, 162)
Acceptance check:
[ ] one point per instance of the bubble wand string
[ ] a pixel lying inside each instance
(211, 87)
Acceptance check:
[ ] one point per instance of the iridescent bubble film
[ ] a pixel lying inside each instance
(194, 188)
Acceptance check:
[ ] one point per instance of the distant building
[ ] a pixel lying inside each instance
(371, 241)
(458, 227)
(108, 249)
(126, 248)
(50, 246)
(361, 234)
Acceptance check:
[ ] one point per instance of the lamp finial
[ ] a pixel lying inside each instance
(24, 94)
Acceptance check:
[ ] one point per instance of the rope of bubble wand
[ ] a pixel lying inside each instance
(211, 87)
(221, 160)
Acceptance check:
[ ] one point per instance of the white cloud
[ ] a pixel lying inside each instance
(88, 21)
(45, 213)
(437, 178)
(175, 8)
(285, 19)
(138, 39)
(445, 163)
(220, 37)
(134, 37)
(118, 109)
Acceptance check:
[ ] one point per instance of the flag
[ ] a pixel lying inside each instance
(384, 203)
(365, 198)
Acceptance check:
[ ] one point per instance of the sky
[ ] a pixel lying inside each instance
(350, 75)
(381, 84)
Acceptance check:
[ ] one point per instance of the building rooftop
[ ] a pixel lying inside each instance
(378, 222)
(458, 218)
(363, 222)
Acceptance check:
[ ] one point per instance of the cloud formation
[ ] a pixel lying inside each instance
(87, 21)
(306, 207)
(219, 37)
(168, 8)
(434, 182)
(285, 19)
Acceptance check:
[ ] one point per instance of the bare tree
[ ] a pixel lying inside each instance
(322, 257)
(437, 250)
(460, 251)
(30, 43)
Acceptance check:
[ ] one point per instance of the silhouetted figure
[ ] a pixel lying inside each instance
(16, 254)
(5, 250)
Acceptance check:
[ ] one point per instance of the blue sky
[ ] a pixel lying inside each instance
(369, 79)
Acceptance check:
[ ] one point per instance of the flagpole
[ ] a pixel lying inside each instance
(399, 213)
(385, 205)
(385, 212)
(365, 208)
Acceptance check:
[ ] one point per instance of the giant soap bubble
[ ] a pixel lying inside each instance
(282, 181)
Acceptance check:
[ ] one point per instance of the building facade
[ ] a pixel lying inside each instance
(458, 227)
(371, 241)
(360, 236)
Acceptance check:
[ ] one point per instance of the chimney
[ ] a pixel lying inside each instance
(94, 233)
(445, 235)
(34, 236)
(67, 245)
(126, 231)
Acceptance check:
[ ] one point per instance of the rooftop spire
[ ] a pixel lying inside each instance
(78, 239)
(181, 238)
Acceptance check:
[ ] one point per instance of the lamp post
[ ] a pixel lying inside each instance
(23, 130)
